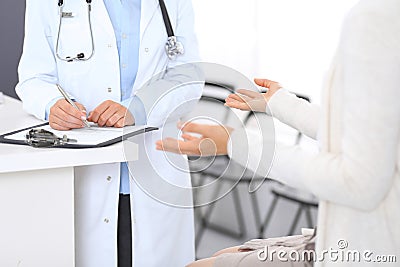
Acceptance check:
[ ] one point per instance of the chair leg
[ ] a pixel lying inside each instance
(268, 217)
(198, 216)
(205, 220)
(197, 210)
(205, 217)
(239, 216)
(200, 227)
(239, 212)
(296, 220)
(309, 217)
(256, 210)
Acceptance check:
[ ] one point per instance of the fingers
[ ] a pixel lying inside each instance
(247, 100)
(64, 116)
(237, 98)
(119, 124)
(193, 127)
(129, 119)
(237, 104)
(273, 86)
(60, 123)
(81, 108)
(169, 145)
(214, 144)
(248, 93)
(58, 127)
(178, 146)
(188, 137)
(124, 121)
(66, 111)
(208, 147)
(94, 116)
(242, 99)
(111, 114)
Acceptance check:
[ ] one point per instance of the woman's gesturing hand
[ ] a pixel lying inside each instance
(213, 140)
(253, 101)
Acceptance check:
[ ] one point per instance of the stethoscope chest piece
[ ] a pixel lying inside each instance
(173, 48)
(43, 138)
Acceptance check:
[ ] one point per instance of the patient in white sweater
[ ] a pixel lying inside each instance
(356, 173)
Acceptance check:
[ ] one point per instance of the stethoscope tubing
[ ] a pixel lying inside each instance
(173, 47)
(80, 56)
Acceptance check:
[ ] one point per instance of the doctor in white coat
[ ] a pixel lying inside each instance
(163, 235)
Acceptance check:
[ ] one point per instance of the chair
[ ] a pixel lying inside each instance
(305, 201)
(221, 167)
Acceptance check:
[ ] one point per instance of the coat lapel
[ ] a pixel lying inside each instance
(101, 17)
(149, 7)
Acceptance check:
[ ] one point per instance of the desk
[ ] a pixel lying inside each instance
(32, 212)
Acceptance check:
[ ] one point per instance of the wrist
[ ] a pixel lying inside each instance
(223, 148)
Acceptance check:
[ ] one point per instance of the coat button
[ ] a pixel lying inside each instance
(109, 46)
(146, 50)
(109, 178)
(106, 220)
(109, 89)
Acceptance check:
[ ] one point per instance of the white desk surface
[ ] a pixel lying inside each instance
(14, 158)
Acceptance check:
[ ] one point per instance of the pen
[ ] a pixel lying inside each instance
(69, 100)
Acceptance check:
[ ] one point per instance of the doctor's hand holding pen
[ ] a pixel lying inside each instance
(214, 139)
(63, 116)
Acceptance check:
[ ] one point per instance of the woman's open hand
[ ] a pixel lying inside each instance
(253, 101)
(213, 140)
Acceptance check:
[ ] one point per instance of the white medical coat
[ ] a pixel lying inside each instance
(162, 235)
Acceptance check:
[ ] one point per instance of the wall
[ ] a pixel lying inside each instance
(288, 41)
(232, 32)
(11, 31)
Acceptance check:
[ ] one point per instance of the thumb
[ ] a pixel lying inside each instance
(263, 82)
(272, 85)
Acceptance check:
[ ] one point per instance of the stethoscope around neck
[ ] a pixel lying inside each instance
(173, 48)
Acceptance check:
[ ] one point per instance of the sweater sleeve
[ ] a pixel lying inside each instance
(361, 170)
(295, 112)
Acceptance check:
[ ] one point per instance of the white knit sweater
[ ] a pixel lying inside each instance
(356, 173)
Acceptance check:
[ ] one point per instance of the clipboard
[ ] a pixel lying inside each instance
(140, 130)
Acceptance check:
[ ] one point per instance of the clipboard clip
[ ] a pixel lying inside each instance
(42, 138)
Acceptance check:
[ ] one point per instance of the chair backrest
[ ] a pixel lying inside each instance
(292, 136)
(210, 109)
